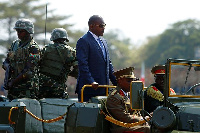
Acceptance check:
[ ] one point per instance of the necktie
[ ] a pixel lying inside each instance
(102, 47)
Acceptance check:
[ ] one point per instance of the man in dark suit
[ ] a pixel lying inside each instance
(95, 67)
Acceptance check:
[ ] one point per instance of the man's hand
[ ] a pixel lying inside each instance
(95, 85)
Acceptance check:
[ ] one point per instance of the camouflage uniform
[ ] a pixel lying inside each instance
(23, 59)
(58, 61)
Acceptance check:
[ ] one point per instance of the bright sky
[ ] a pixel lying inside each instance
(136, 19)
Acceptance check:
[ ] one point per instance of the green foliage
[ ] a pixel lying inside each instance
(74, 36)
(120, 50)
(12, 10)
(179, 41)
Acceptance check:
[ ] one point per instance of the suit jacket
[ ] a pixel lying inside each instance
(92, 65)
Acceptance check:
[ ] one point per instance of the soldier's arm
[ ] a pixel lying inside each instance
(117, 110)
(33, 58)
(74, 64)
(29, 68)
(15, 81)
(5, 65)
(74, 71)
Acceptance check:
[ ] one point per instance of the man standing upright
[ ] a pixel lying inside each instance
(58, 61)
(95, 67)
(21, 63)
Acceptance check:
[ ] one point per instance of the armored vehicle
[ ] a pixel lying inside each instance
(179, 114)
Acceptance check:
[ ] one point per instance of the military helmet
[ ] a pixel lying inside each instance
(59, 33)
(25, 24)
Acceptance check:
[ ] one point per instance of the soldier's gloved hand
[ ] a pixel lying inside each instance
(95, 85)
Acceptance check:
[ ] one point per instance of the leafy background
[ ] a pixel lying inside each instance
(179, 40)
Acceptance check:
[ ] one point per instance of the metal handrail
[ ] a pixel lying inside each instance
(100, 86)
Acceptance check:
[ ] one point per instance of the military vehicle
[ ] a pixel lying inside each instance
(179, 114)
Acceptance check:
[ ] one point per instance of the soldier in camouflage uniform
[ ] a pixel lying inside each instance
(58, 61)
(21, 77)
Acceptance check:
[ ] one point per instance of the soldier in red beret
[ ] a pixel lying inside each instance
(153, 96)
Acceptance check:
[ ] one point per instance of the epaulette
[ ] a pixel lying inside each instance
(155, 93)
(113, 92)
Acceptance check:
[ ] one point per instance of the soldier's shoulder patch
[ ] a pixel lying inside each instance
(33, 55)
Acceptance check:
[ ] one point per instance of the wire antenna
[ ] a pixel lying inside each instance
(45, 28)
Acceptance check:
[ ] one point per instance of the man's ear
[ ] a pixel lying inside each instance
(120, 81)
(91, 26)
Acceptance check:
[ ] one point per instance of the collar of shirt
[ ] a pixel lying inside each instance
(95, 37)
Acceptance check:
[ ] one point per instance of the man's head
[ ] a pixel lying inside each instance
(159, 73)
(24, 28)
(96, 25)
(125, 77)
(59, 35)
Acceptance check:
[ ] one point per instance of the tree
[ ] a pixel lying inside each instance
(120, 50)
(12, 10)
(178, 41)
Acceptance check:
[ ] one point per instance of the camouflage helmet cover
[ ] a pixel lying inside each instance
(25, 24)
(59, 33)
